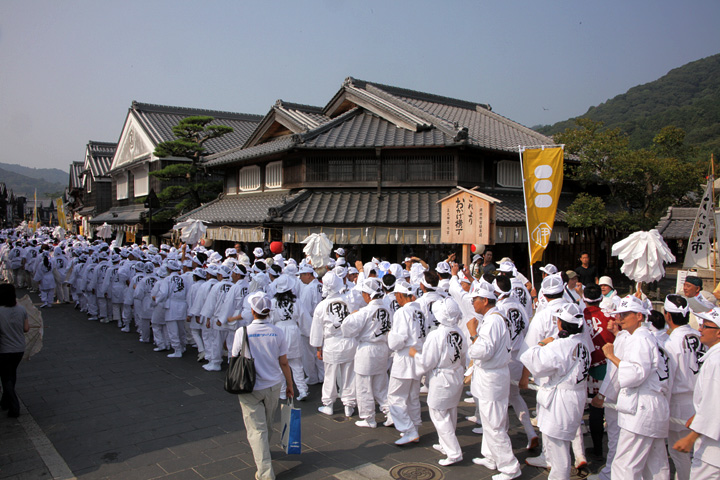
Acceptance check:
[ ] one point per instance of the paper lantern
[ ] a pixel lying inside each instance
(276, 247)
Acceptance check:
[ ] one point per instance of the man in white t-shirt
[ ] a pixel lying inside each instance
(269, 349)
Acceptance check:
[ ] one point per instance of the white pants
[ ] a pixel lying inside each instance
(144, 329)
(639, 456)
(258, 410)
(298, 375)
(61, 292)
(403, 398)
(496, 444)
(521, 410)
(557, 453)
(47, 296)
(92, 306)
(116, 312)
(370, 389)
(102, 306)
(613, 431)
(445, 422)
(173, 334)
(703, 471)
(342, 374)
(578, 445)
(127, 314)
(218, 338)
(197, 337)
(681, 460)
(314, 368)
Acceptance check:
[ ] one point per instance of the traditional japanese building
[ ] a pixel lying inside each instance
(146, 126)
(368, 169)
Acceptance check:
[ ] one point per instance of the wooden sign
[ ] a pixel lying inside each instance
(468, 217)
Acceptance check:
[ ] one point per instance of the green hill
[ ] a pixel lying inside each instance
(22, 185)
(687, 97)
(52, 175)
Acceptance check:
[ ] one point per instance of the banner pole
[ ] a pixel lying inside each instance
(527, 225)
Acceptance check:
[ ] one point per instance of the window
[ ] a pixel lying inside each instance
(273, 175)
(141, 181)
(231, 182)
(249, 178)
(122, 186)
(508, 174)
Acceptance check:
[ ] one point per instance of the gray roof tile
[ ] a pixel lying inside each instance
(101, 156)
(76, 169)
(677, 223)
(244, 208)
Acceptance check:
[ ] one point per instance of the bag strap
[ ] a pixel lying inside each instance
(246, 342)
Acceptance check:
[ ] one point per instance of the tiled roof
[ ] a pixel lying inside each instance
(278, 145)
(244, 208)
(127, 214)
(76, 169)
(158, 121)
(512, 208)
(677, 223)
(101, 156)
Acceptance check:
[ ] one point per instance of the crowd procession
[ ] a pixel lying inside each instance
(377, 334)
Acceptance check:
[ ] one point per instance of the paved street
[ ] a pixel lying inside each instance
(113, 408)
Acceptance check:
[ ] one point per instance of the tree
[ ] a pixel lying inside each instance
(188, 187)
(636, 185)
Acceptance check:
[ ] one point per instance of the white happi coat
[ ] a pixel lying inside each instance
(543, 324)
(705, 398)
(370, 326)
(560, 369)
(425, 303)
(143, 293)
(443, 358)
(685, 353)
(491, 355)
(175, 303)
(44, 275)
(286, 315)
(326, 330)
(643, 376)
(408, 330)
(233, 305)
(201, 294)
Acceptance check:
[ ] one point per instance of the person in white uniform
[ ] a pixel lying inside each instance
(560, 367)
(705, 424)
(175, 309)
(443, 360)
(643, 412)
(335, 350)
(685, 352)
(408, 330)
(310, 295)
(370, 327)
(490, 352)
(268, 348)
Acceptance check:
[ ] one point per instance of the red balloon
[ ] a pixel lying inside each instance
(276, 247)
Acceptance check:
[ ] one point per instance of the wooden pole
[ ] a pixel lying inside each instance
(712, 175)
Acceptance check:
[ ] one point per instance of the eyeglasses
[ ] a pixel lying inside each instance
(702, 326)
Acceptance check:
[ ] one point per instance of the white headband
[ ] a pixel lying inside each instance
(670, 307)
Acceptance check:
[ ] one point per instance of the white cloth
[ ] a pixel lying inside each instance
(370, 326)
(639, 456)
(707, 421)
(408, 330)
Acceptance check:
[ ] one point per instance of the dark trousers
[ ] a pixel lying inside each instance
(8, 375)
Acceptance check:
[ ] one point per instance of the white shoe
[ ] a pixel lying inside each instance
(159, 349)
(446, 462)
(326, 409)
(411, 437)
(389, 421)
(477, 431)
(212, 367)
(469, 400)
(439, 448)
(505, 476)
(366, 423)
(349, 411)
(125, 329)
(302, 397)
(93, 319)
(540, 461)
(175, 354)
(201, 356)
(485, 462)
(104, 320)
(472, 418)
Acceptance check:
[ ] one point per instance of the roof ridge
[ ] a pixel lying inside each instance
(331, 124)
(421, 95)
(150, 107)
(109, 144)
(299, 106)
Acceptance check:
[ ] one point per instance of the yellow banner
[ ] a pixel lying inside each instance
(35, 217)
(62, 220)
(542, 183)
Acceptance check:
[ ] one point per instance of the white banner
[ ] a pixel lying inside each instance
(699, 248)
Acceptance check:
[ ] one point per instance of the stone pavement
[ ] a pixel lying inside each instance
(102, 405)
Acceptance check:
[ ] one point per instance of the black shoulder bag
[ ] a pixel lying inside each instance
(240, 377)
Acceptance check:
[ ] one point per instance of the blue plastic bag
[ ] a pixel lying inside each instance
(290, 428)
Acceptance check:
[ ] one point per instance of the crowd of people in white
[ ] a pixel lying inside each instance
(379, 334)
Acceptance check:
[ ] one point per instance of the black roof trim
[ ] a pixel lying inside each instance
(149, 107)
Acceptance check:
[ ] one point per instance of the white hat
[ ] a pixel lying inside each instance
(305, 268)
(443, 267)
(258, 252)
(238, 269)
(553, 284)
(605, 280)
(632, 304)
(549, 269)
(213, 270)
(332, 283)
(340, 251)
(283, 284)
(291, 269)
(462, 277)
(230, 251)
(340, 271)
(372, 286)
(352, 271)
(404, 288)
(570, 312)
(224, 271)
(173, 265)
(709, 316)
(447, 311)
(483, 290)
(188, 263)
(476, 257)
(260, 303)
(507, 267)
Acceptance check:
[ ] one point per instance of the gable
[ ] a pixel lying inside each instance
(135, 144)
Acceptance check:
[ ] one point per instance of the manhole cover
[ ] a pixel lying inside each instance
(416, 471)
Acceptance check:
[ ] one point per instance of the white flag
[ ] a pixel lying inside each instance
(699, 246)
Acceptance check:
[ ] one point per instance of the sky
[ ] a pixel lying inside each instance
(69, 70)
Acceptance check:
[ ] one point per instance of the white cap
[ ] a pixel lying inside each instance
(670, 307)
(443, 267)
(709, 316)
(340, 271)
(507, 267)
(570, 313)
(259, 303)
(553, 284)
(462, 277)
(258, 252)
(199, 272)
(483, 290)
(631, 304)
(352, 271)
(332, 283)
(605, 280)
(283, 284)
(549, 269)
(340, 251)
(230, 251)
(305, 268)
(447, 311)
(213, 270)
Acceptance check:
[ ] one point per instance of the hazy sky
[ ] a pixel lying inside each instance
(70, 69)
